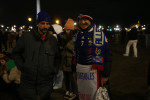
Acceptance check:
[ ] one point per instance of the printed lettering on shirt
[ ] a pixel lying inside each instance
(85, 76)
(98, 41)
(84, 96)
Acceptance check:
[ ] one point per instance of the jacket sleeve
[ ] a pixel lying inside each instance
(69, 46)
(107, 61)
(17, 53)
(57, 57)
(74, 63)
(5, 78)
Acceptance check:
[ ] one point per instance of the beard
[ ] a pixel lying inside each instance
(44, 31)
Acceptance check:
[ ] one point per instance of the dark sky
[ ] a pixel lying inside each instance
(104, 12)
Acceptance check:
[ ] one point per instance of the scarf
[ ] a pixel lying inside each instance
(98, 49)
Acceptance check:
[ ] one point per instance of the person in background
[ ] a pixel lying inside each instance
(133, 39)
(92, 58)
(36, 55)
(11, 73)
(123, 35)
(56, 30)
(67, 45)
(2, 68)
(3, 39)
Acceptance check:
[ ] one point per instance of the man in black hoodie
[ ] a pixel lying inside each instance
(36, 55)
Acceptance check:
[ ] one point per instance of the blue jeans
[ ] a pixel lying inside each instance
(58, 79)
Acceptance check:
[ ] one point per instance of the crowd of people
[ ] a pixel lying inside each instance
(50, 54)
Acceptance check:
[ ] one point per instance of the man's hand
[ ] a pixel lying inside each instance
(104, 80)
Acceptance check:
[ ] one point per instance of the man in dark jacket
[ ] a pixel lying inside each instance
(36, 55)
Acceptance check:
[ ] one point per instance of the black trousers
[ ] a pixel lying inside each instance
(29, 91)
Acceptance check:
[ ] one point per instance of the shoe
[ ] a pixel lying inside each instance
(67, 95)
(125, 55)
(71, 96)
(56, 87)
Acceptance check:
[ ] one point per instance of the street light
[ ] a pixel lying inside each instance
(57, 22)
(29, 19)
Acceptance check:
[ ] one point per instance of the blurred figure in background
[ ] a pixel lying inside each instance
(133, 39)
(56, 30)
(3, 39)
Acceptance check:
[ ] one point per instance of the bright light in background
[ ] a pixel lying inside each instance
(29, 19)
(57, 22)
(110, 29)
(136, 26)
(14, 25)
(13, 28)
(21, 28)
(75, 23)
(30, 27)
(117, 28)
(2, 26)
(143, 28)
(100, 27)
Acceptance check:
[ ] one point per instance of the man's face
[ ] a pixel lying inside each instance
(43, 27)
(84, 23)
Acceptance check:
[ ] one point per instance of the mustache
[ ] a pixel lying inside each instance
(45, 30)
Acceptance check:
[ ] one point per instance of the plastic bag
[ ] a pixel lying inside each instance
(102, 94)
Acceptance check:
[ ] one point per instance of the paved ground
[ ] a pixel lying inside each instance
(128, 79)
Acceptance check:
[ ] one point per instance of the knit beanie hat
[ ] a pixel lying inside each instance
(85, 16)
(69, 24)
(43, 16)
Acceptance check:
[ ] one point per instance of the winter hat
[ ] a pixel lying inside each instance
(85, 16)
(57, 28)
(43, 16)
(69, 24)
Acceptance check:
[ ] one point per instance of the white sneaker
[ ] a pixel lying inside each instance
(71, 96)
(125, 54)
(67, 95)
(56, 87)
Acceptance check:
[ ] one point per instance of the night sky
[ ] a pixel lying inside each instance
(105, 12)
